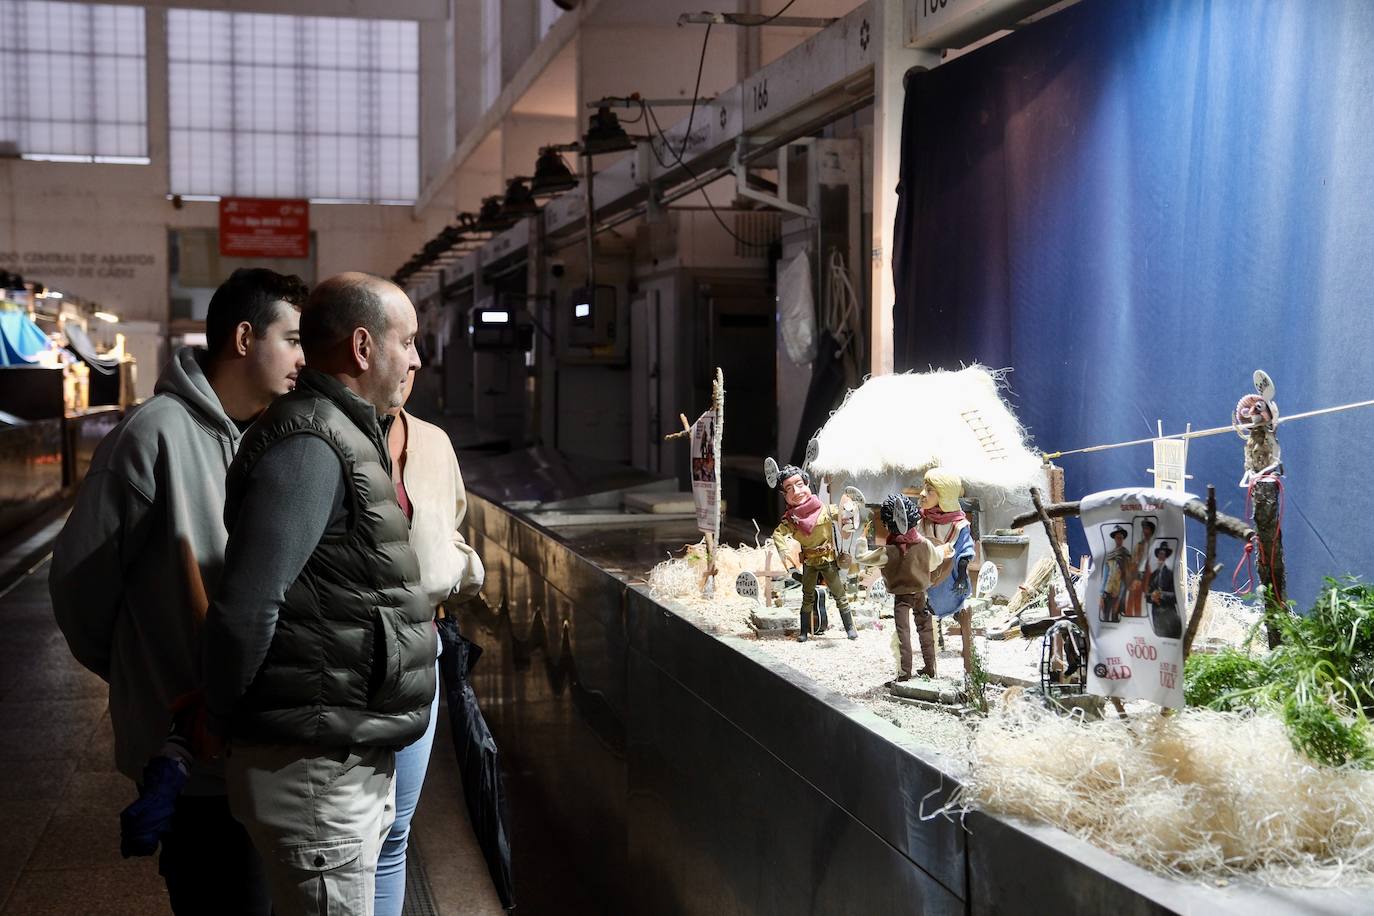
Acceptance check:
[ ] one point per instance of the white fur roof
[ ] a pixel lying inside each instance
(902, 425)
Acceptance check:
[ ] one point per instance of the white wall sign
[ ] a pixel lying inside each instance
(937, 24)
(122, 271)
(52, 267)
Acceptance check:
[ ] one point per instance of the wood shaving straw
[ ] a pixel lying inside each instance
(1227, 618)
(680, 577)
(1197, 794)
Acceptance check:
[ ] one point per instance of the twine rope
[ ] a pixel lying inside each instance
(1203, 433)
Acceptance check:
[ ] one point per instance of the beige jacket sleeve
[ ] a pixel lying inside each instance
(449, 567)
(474, 573)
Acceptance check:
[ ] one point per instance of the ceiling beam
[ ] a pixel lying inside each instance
(418, 10)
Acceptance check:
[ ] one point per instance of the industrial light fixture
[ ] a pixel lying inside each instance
(518, 201)
(551, 173)
(605, 135)
(490, 218)
(111, 317)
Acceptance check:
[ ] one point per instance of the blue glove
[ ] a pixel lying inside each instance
(144, 823)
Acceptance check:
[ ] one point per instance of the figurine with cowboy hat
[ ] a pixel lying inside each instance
(1163, 598)
(1116, 576)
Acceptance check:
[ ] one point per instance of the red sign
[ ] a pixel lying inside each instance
(253, 227)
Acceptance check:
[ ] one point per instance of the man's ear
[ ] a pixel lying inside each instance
(243, 338)
(362, 348)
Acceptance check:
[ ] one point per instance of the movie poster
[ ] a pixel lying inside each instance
(706, 472)
(1135, 599)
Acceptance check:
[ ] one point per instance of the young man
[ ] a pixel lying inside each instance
(321, 640)
(143, 547)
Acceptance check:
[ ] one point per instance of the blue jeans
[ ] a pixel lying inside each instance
(411, 763)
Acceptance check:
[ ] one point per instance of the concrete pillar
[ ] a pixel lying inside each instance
(519, 35)
(467, 59)
(748, 45)
(438, 95)
(894, 60)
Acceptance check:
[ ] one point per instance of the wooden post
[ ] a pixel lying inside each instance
(1056, 478)
(1063, 564)
(1272, 573)
(1210, 569)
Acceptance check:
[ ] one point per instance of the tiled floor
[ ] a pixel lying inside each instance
(60, 796)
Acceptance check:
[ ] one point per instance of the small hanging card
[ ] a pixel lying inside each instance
(706, 472)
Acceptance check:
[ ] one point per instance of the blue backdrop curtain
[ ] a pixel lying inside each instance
(1133, 204)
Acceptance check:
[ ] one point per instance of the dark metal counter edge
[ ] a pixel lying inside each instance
(866, 766)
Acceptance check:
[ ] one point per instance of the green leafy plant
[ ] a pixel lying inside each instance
(1217, 680)
(1320, 679)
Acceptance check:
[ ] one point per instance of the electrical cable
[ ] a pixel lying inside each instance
(777, 14)
(696, 93)
(653, 117)
(687, 136)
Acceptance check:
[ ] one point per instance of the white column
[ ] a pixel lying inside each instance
(894, 60)
(438, 95)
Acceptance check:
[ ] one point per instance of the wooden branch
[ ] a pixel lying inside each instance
(1044, 516)
(686, 429)
(1210, 569)
(1055, 476)
(1063, 567)
(1228, 525)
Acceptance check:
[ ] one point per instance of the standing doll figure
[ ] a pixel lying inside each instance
(1116, 578)
(1139, 572)
(1164, 618)
(808, 521)
(924, 563)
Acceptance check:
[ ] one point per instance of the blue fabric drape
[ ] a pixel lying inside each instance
(1134, 204)
(20, 339)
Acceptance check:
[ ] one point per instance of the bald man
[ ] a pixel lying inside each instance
(320, 642)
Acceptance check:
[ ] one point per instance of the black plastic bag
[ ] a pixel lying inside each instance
(477, 757)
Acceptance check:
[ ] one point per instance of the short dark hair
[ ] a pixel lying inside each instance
(338, 306)
(250, 294)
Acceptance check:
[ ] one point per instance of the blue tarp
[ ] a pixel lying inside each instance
(20, 339)
(1136, 204)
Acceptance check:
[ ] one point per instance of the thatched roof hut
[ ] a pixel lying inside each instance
(893, 428)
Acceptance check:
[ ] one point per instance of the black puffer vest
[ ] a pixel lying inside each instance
(352, 658)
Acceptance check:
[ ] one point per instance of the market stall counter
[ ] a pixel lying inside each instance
(685, 770)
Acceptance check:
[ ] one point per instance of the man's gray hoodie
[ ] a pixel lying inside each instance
(143, 547)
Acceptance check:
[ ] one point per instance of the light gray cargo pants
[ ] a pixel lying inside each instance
(318, 817)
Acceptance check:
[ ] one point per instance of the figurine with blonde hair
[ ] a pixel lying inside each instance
(924, 562)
